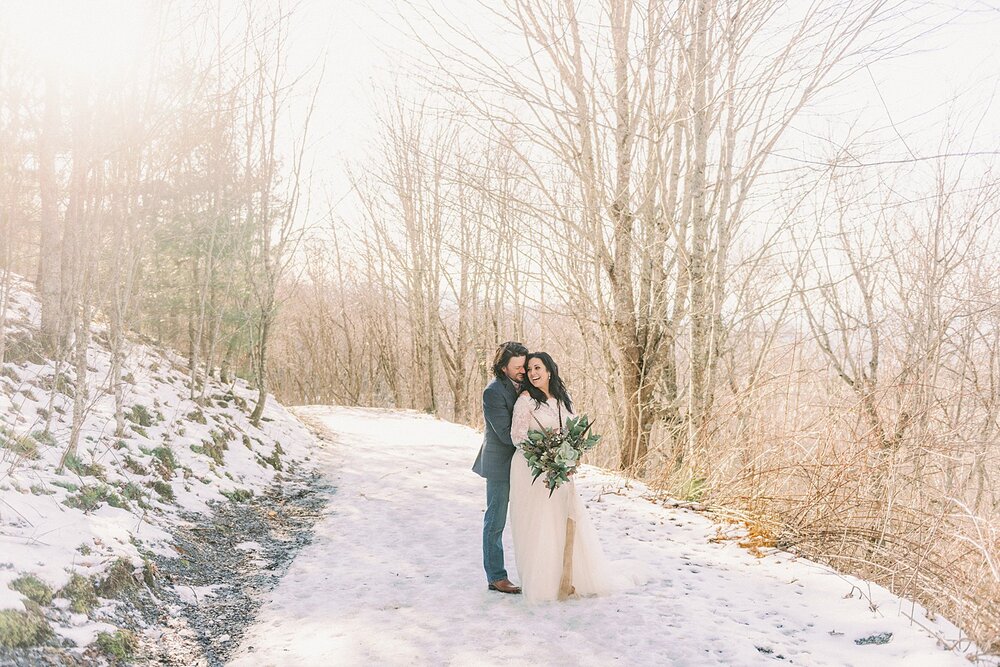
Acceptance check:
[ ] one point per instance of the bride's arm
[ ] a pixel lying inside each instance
(521, 421)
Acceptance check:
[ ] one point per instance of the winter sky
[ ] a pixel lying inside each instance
(947, 76)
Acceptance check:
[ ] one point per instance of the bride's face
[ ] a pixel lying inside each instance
(538, 374)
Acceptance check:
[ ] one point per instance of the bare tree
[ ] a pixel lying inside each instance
(271, 208)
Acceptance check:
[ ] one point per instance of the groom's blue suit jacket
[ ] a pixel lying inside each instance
(494, 457)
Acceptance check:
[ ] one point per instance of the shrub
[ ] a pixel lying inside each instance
(238, 495)
(197, 415)
(22, 445)
(63, 384)
(209, 449)
(121, 644)
(119, 578)
(164, 462)
(140, 415)
(91, 496)
(694, 489)
(44, 438)
(21, 629)
(274, 460)
(82, 469)
(33, 588)
(81, 594)
(22, 349)
(41, 490)
(150, 573)
(134, 466)
(163, 489)
(221, 437)
(133, 492)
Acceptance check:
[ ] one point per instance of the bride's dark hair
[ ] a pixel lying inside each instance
(556, 387)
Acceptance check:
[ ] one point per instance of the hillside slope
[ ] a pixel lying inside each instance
(70, 542)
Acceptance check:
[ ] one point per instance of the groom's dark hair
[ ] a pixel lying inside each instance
(504, 353)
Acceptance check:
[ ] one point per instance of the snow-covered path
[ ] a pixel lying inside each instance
(394, 576)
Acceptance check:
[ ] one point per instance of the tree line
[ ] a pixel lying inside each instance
(161, 200)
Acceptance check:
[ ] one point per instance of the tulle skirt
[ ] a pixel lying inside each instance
(538, 526)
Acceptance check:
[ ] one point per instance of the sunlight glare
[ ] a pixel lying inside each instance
(96, 38)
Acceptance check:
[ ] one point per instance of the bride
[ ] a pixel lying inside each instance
(556, 548)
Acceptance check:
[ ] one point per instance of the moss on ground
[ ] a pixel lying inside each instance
(118, 579)
(22, 629)
(121, 644)
(33, 588)
(81, 594)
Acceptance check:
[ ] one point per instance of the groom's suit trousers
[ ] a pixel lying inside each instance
(497, 497)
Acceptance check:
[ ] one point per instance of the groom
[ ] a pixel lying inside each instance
(493, 461)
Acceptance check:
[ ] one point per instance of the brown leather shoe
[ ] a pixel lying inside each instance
(505, 586)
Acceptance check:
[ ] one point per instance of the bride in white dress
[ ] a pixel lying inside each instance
(556, 548)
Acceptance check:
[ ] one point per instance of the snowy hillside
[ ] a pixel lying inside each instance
(67, 540)
(394, 577)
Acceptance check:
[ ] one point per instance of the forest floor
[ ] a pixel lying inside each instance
(393, 575)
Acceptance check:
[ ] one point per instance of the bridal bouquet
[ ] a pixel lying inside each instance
(556, 453)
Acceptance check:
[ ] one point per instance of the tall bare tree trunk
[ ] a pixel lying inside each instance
(698, 259)
(77, 269)
(51, 228)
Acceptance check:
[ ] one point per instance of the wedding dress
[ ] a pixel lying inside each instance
(539, 522)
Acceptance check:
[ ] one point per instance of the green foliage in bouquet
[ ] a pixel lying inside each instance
(556, 454)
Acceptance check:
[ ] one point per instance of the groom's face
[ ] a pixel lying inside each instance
(515, 368)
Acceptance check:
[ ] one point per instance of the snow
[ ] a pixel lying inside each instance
(41, 535)
(192, 595)
(394, 576)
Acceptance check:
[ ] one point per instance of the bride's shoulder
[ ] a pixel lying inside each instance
(523, 397)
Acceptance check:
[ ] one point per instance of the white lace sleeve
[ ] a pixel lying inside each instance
(521, 421)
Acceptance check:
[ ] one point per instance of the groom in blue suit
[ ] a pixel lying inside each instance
(493, 461)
